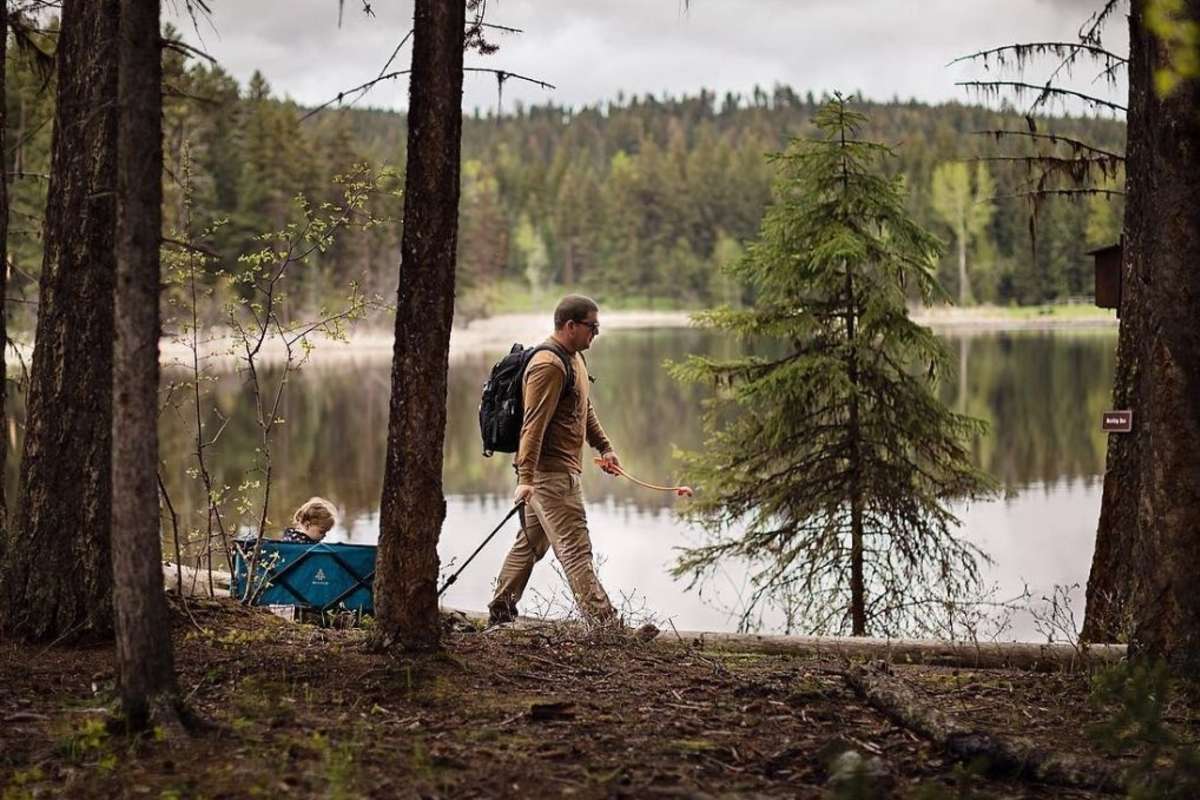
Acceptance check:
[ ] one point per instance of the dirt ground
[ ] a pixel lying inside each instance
(298, 711)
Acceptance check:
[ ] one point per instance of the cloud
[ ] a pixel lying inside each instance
(593, 50)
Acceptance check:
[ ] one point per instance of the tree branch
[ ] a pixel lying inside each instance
(1053, 138)
(1039, 48)
(1044, 91)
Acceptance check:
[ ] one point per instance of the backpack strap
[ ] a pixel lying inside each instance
(569, 385)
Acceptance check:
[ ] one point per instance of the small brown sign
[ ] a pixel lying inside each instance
(1116, 421)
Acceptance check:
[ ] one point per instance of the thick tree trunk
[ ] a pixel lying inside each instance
(3, 281)
(413, 506)
(1148, 543)
(144, 663)
(57, 576)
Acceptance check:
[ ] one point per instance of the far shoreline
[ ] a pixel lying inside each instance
(496, 333)
(488, 335)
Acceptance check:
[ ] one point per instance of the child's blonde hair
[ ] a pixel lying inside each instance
(316, 512)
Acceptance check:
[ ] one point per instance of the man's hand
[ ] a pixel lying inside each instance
(522, 494)
(610, 463)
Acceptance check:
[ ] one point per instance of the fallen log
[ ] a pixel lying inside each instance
(1005, 756)
(1028, 656)
(969, 655)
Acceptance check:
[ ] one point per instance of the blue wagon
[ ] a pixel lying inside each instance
(319, 577)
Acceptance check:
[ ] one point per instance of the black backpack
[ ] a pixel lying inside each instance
(502, 409)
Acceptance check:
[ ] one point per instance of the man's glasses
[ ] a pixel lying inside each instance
(595, 326)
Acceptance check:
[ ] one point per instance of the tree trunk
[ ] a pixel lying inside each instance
(412, 506)
(858, 591)
(3, 282)
(964, 288)
(144, 663)
(1148, 542)
(57, 578)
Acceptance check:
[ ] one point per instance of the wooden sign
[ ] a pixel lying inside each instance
(1116, 421)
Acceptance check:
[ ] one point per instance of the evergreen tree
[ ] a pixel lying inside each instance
(56, 580)
(413, 506)
(145, 663)
(832, 450)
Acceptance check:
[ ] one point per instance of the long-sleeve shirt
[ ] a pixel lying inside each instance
(556, 423)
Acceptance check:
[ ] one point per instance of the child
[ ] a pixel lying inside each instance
(311, 521)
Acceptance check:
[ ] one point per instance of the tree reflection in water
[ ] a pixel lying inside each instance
(1043, 394)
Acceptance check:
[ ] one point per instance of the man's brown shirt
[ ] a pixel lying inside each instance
(556, 422)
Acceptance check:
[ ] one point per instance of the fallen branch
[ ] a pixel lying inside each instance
(977, 655)
(967, 655)
(1003, 755)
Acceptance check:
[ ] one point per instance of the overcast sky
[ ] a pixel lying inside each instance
(591, 50)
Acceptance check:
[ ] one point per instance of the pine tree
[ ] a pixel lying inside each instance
(145, 664)
(830, 453)
(412, 503)
(56, 582)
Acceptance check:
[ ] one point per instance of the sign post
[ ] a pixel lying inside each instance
(1116, 421)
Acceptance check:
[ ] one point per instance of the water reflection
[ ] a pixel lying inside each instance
(1042, 392)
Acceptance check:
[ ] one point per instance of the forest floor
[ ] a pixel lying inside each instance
(293, 710)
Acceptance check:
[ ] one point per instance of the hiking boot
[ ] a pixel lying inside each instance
(501, 611)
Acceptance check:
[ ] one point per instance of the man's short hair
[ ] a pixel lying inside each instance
(573, 308)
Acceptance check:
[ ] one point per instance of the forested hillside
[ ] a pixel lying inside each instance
(635, 201)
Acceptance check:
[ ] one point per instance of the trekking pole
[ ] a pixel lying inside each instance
(482, 545)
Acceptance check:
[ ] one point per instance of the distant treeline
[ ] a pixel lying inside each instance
(636, 201)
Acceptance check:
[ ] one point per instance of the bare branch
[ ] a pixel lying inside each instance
(1020, 87)
(1059, 49)
(505, 74)
(1090, 30)
(502, 74)
(194, 248)
(1040, 193)
(1053, 138)
(186, 49)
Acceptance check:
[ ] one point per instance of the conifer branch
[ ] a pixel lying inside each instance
(1059, 49)
(1105, 163)
(185, 49)
(1054, 138)
(1020, 87)
(1090, 30)
(1038, 194)
(501, 74)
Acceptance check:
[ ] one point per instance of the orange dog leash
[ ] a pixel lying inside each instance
(680, 491)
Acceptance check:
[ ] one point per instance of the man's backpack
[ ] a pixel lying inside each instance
(502, 409)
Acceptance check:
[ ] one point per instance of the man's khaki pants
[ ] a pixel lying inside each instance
(554, 517)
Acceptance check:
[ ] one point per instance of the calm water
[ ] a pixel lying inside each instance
(1042, 392)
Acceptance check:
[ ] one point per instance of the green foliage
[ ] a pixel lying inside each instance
(1136, 695)
(828, 441)
(1180, 37)
(22, 783)
(966, 207)
(609, 188)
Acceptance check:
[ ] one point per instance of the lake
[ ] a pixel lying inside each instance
(1042, 392)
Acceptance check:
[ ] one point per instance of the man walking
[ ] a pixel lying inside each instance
(558, 418)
